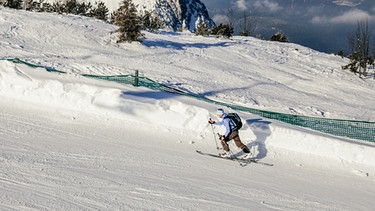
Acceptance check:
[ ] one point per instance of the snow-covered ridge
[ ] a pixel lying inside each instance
(176, 14)
(282, 77)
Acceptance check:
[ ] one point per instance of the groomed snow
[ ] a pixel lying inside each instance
(72, 143)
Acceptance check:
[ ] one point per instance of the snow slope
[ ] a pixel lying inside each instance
(72, 143)
(244, 71)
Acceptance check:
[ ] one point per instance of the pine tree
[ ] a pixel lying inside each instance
(225, 30)
(151, 21)
(77, 8)
(279, 37)
(100, 11)
(15, 4)
(58, 7)
(203, 29)
(129, 23)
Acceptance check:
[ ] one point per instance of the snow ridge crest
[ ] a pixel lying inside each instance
(178, 14)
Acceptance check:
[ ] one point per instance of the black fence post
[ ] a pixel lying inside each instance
(136, 79)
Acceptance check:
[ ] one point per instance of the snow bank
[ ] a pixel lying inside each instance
(74, 92)
(324, 147)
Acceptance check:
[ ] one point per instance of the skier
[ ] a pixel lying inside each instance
(229, 135)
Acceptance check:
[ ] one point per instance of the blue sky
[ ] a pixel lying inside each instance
(320, 24)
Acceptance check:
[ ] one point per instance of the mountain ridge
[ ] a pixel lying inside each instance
(176, 14)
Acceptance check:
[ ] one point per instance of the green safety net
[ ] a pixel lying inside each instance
(360, 130)
(17, 60)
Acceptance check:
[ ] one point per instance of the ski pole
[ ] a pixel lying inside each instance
(213, 132)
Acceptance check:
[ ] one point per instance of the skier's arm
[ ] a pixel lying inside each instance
(227, 128)
(214, 122)
(219, 123)
(225, 122)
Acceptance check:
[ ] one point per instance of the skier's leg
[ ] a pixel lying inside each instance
(225, 145)
(236, 138)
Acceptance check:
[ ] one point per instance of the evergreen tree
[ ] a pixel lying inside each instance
(112, 17)
(71, 6)
(58, 7)
(76, 8)
(100, 11)
(41, 6)
(15, 4)
(225, 30)
(203, 30)
(129, 23)
(279, 37)
(151, 21)
(340, 53)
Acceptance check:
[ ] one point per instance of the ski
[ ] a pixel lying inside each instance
(218, 156)
(243, 162)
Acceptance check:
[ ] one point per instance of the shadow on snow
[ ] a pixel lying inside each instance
(261, 130)
(181, 46)
(156, 95)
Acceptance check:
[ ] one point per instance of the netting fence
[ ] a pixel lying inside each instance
(360, 130)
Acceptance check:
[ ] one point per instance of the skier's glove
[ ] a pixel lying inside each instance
(211, 121)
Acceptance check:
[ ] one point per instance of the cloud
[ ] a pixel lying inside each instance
(345, 3)
(348, 17)
(220, 19)
(241, 5)
(267, 5)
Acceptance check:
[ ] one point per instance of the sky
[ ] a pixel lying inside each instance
(323, 25)
(69, 142)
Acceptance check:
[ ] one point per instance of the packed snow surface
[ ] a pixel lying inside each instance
(68, 142)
